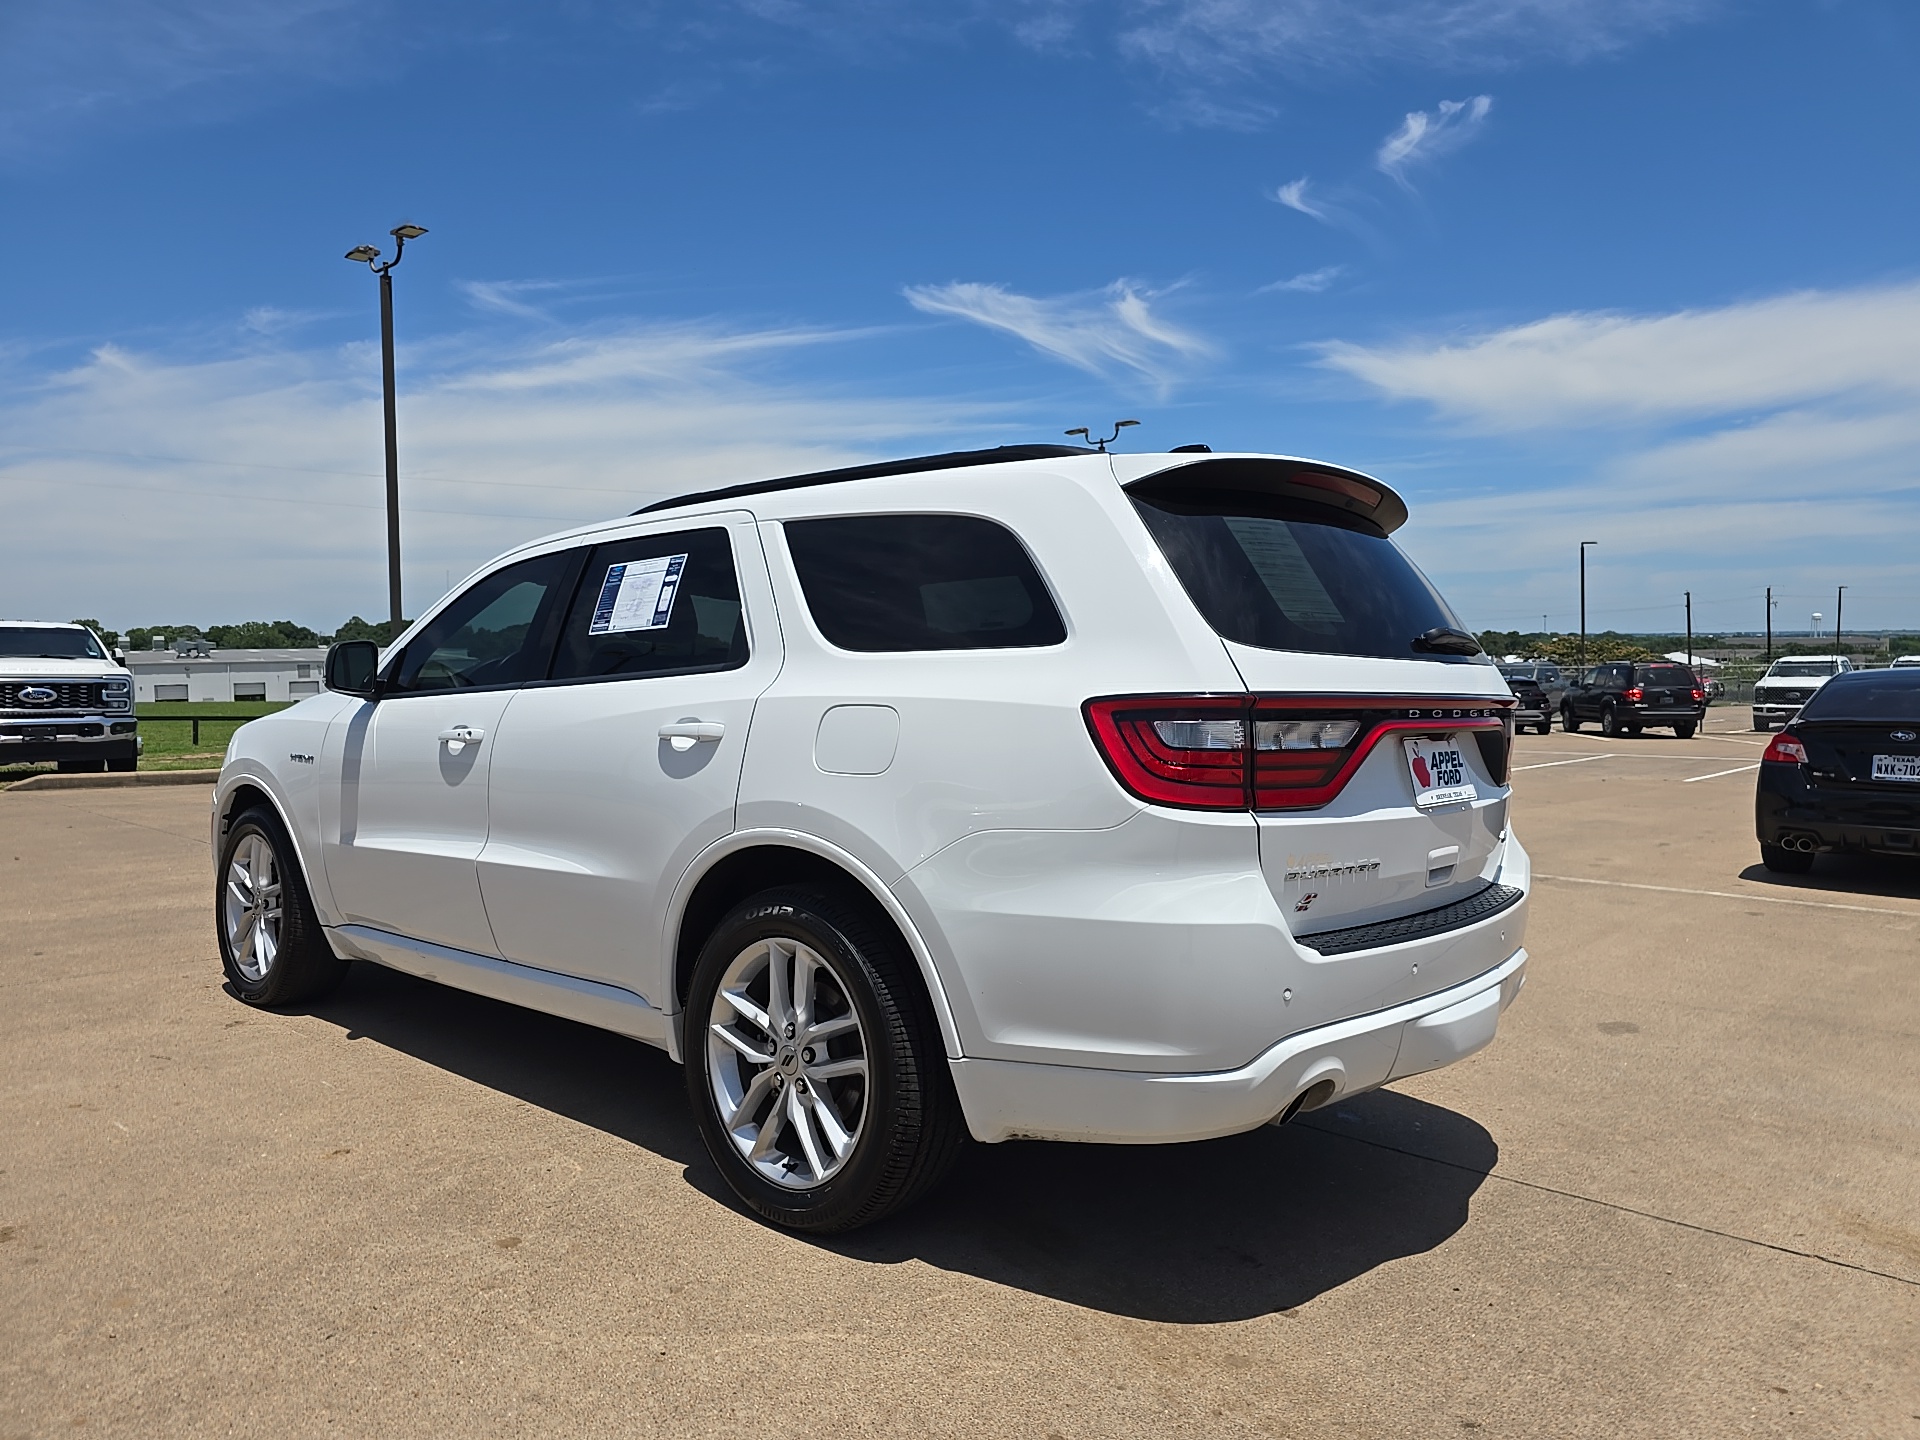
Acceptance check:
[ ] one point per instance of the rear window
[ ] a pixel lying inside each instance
(921, 582)
(1666, 677)
(1286, 577)
(1867, 695)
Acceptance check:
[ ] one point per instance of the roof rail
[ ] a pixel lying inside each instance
(952, 460)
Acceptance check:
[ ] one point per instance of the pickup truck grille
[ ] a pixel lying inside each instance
(71, 695)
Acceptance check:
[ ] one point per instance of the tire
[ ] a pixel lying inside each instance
(1546, 726)
(1609, 721)
(132, 762)
(1567, 722)
(896, 1116)
(258, 867)
(81, 767)
(1784, 861)
(1686, 729)
(1633, 732)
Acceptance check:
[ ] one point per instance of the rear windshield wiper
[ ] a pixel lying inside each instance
(1444, 640)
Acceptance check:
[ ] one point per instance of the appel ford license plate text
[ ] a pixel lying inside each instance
(1439, 773)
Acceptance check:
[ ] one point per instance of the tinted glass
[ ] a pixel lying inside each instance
(655, 605)
(500, 632)
(1802, 669)
(921, 582)
(1666, 677)
(26, 641)
(1286, 578)
(1867, 695)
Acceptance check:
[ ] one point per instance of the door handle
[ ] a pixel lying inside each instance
(688, 733)
(457, 737)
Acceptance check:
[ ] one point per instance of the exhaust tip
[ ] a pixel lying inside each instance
(1311, 1098)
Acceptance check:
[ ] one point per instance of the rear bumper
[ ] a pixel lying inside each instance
(1006, 1099)
(1786, 807)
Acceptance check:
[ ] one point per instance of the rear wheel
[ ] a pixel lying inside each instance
(1609, 721)
(1784, 861)
(270, 941)
(816, 1072)
(1686, 729)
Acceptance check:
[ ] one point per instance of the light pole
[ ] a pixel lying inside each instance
(369, 256)
(1770, 604)
(1839, 600)
(1689, 629)
(1583, 598)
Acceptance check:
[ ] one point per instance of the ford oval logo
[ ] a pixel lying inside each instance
(38, 695)
(1902, 735)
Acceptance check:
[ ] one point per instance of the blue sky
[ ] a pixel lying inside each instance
(1640, 271)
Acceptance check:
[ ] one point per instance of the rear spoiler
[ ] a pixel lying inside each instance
(1311, 481)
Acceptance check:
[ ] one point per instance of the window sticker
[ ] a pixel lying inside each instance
(1287, 573)
(638, 595)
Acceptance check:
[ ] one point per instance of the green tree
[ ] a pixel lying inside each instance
(358, 629)
(112, 637)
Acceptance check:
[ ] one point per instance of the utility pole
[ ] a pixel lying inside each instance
(369, 256)
(1689, 629)
(1583, 598)
(1839, 599)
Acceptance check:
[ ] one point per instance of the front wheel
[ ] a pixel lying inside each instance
(270, 941)
(1784, 861)
(816, 1072)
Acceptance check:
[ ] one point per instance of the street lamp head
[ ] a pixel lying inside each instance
(407, 232)
(363, 254)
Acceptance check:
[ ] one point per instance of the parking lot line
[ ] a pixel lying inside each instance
(1727, 895)
(1737, 770)
(1549, 764)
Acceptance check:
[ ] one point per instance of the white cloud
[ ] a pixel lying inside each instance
(1208, 36)
(1101, 332)
(1293, 195)
(250, 484)
(1312, 282)
(1423, 137)
(1588, 368)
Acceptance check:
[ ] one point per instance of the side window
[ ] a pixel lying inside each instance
(921, 582)
(500, 632)
(655, 605)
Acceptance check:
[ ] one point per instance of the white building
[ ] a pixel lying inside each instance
(225, 674)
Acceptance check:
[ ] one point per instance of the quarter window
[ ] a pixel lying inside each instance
(921, 582)
(655, 605)
(500, 632)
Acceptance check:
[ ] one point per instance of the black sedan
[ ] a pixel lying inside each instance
(1844, 774)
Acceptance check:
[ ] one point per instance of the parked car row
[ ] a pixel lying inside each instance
(1621, 697)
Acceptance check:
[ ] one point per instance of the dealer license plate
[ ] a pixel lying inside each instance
(1896, 767)
(1439, 773)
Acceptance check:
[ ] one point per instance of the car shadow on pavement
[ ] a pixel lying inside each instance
(1221, 1230)
(1893, 876)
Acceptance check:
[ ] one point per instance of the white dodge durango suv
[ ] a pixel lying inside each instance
(1031, 792)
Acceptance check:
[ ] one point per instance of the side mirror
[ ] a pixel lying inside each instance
(119, 657)
(353, 667)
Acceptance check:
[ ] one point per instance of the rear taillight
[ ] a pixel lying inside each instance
(1190, 753)
(1635, 695)
(1783, 749)
(1699, 694)
(1212, 752)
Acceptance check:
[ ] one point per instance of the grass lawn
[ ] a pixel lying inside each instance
(169, 744)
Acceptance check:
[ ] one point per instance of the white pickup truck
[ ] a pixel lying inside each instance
(64, 697)
(1789, 684)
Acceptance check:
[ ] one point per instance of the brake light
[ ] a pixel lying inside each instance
(1635, 695)
(1783, 749)
(1214, 752)
(1190, 753)
(1699, 694)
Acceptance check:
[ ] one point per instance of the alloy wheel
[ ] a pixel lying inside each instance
(253, 909)
(787, 1063)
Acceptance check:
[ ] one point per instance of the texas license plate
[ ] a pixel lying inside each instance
(1896, 767)
(1439, 773)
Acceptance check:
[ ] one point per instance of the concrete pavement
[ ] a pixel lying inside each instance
(1680, 1195)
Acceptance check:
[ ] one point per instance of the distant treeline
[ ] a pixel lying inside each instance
(244, 635)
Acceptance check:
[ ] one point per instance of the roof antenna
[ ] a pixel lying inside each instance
(1118, 426)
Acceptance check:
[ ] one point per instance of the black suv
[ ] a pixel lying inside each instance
(1625, 698)
(1535, 707)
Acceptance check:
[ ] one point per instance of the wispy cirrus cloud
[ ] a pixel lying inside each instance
(1425, 136)
(1311, 282)
(1103, 332)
